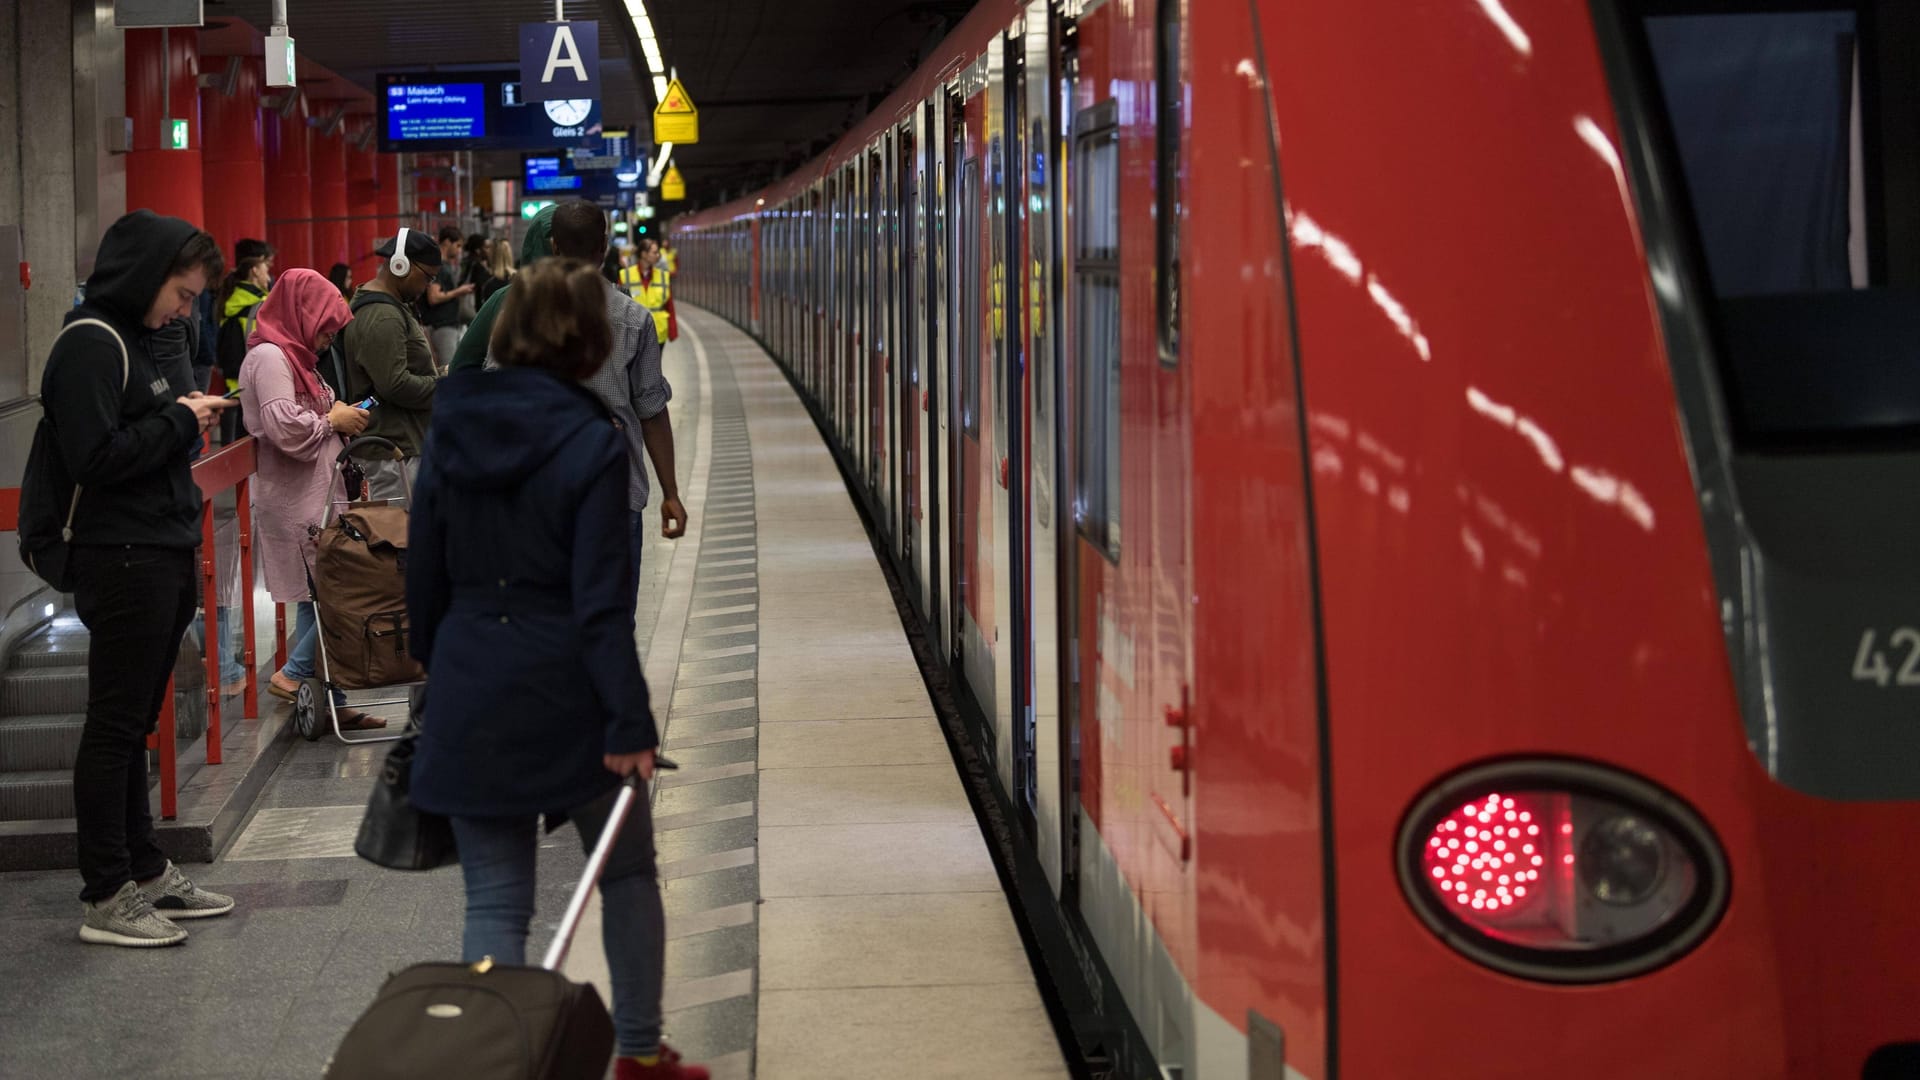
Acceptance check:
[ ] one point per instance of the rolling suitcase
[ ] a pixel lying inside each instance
(490, 1021)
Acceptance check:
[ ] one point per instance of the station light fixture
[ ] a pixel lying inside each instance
(1561, 871)
(649, 45)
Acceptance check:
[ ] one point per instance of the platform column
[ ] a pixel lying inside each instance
(365, 225)
(163, 93)
(234, 159)
(288, 183)
(329, 164)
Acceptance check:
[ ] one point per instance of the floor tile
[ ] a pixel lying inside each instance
(929, 1033)
(909, 940)
(839, 860)
(862, 795)
(889, 741)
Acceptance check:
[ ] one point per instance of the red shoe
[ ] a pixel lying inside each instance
(667, 1068)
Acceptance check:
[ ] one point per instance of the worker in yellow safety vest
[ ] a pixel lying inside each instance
(670, 257)
(651, 286)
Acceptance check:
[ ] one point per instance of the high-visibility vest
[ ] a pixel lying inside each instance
(672, 260)
(653, 297)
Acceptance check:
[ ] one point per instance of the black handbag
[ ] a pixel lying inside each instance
(395, 833)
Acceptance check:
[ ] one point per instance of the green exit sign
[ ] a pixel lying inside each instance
(176, 134)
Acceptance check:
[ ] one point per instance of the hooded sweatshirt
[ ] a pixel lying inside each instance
(527, 636)
(129, 449)
(472, 351)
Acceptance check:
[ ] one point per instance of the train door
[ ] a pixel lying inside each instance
(811, 292)
(860, 371)
(879, 322)
(830, 325)
(935, 156)
(974, 509)
(907, 336)
(854, 372)
(1007, 276)
(755, 258)
(1043, 431)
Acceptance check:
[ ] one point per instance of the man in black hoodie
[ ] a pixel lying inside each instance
(126, 443)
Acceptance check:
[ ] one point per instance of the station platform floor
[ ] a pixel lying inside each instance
(831, 907)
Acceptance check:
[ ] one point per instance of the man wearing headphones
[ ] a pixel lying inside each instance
(389, 359)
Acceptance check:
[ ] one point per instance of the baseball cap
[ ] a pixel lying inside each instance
(421, 249)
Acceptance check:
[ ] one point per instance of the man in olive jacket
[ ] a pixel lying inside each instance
(389, 359)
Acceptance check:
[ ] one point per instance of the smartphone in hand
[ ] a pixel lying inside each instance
(367, 402)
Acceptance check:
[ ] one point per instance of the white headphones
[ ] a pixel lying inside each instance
(400, 264)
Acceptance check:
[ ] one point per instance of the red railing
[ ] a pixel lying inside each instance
(231, 467)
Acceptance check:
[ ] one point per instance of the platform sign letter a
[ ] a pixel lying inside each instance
(564, 52)
(559, 61)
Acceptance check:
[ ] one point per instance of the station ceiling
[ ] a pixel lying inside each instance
(775, 81)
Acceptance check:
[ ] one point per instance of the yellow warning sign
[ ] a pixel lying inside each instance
(675, 120)
(673, 186)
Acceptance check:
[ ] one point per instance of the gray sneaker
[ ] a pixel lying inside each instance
(127, 918)
(174, 896)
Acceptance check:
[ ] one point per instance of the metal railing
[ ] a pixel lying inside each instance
(230, 468)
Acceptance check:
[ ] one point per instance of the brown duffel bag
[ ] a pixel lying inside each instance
(360, 592)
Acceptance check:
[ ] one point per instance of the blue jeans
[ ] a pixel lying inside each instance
(638, 537)
(306, 646)
(497, 860)
(227, 629)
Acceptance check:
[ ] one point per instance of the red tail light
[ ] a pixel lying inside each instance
(1561, 871)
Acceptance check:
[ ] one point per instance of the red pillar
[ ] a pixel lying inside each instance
(235, 159)
(289, 191)
(363, 199)
(387, 199)
(163, 74)
(329, 199)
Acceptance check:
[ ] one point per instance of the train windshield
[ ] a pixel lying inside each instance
(1798, 135)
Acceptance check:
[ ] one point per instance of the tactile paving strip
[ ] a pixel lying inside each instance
(706, 820)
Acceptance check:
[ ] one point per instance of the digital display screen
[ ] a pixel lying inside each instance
(545, 174)
(436, 111)
(479, 110)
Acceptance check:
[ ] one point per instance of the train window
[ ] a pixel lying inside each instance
(1096, 284)
(1793, 127)
(1170, 120)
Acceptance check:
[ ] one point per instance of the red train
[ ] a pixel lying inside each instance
(1422, 499)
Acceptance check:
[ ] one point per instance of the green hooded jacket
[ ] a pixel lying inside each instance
(472, 352)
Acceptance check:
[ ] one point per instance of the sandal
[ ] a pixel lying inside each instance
(355, 720)
(282, 687)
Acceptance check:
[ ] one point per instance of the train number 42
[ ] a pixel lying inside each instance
(1870, 663)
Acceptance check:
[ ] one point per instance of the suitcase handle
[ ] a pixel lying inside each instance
(596, 865)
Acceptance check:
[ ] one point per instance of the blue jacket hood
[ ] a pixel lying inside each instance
(493, 429)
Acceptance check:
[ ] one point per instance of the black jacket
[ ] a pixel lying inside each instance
(130, 450)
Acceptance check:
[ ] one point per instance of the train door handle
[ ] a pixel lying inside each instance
(924, 399)
(1004, 474)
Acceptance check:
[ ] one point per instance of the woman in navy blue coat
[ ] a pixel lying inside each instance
(520, 587)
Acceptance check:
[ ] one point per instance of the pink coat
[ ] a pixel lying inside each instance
(297, 448)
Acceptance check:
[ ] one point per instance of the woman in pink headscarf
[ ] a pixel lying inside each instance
(291, 412)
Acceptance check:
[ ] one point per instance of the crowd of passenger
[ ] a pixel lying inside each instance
(512, 409)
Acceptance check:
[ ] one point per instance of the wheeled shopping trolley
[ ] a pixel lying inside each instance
(358, 582)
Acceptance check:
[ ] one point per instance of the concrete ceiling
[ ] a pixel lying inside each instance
(775, 81)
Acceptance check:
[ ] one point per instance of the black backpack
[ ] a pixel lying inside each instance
(49, 497)
(230, 348)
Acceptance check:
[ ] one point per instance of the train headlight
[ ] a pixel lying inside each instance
(1561, 871)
